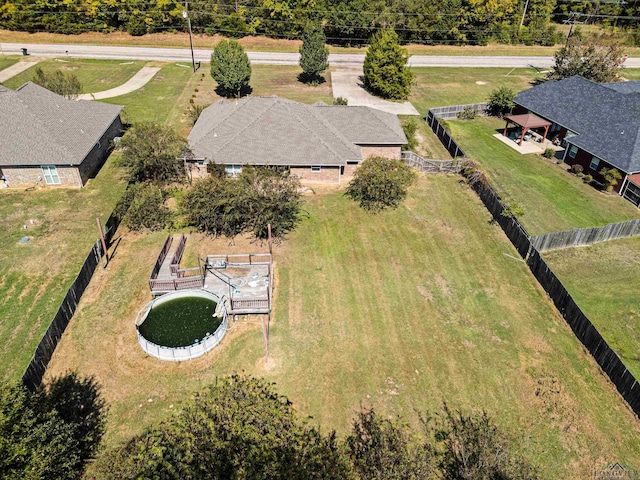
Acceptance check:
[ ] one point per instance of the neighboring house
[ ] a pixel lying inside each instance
(599, 124)
(48, 139)
(316, 142)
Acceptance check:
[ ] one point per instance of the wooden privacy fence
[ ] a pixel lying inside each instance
(582, 327)
(429, 165)
(451, 111)
(32, 377)
(445, 137)
(586, 236)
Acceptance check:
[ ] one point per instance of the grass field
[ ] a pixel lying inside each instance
(94, 75)
(7, 61)
(35, 275)
(552, 199)
(603, 279)
(418, 306)
(439, 86)
(165, 99)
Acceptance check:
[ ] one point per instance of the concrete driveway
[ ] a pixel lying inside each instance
(136, 82)
(347, 83)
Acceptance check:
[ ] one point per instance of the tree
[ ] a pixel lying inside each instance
(238, 428)
(153, 153)
(598, 62)
(66, 85)
(379, 448)
(146, 208)
(380, 183)
(313, 54)
(500, 101)
(475, 449)
(385, 67)
(258, 197)
(611, 177)
(50, 433)
(230, 68)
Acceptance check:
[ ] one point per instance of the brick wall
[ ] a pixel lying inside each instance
(96, 158)
(28, 176)
(385, 151)
(325, 175)
(584, 158)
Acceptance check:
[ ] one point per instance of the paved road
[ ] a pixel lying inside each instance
(271, 58)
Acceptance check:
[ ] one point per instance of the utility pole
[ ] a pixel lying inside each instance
(526, 5)
(571, 23)
(185, 14)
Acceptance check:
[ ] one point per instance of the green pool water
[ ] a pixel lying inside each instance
(179, 322)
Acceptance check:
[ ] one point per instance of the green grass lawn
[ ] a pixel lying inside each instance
(401, 311)
(36, 275)
(552, 199)
(603, 279)
(166, 98)
(94, 75)
(7, 61)
(440, 86)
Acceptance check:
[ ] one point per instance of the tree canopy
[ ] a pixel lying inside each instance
(239, 428)
(52, 433)
(259, 196)
(385, 67)
(596, 61)
(313, 54)
(153, 153)
(500, 101)
(65, 84)
(380, 183)
(230, 68)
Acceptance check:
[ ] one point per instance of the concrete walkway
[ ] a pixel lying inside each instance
(14, 70)
(136, 82)
(347, 83)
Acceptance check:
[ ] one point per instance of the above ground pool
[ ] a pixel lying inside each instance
(181, 325)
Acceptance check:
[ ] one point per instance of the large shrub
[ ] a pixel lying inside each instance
(380, 183)
(500, 101)
(385, 71)
(146, 208)
(599, 61)
(64, 84)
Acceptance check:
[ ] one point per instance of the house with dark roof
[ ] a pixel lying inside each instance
(317, 142)
(47, 139)
(598, 123)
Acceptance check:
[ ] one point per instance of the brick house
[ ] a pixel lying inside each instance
(599, 124)
(50, 140)
(318, 143)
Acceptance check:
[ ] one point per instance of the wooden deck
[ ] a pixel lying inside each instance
(248, 295)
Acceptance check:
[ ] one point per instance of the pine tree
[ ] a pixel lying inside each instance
(313, 54)
(385, 70)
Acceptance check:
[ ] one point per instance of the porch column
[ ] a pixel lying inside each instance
(524, 132)
(506, 125)
(546, 130)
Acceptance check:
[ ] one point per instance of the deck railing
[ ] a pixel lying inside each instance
(249, 304)
(174, 266)
(239, 259)
(161, 257)
(184, 283)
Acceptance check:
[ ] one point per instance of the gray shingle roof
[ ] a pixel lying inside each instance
(277, 131)
(40, 127)
(606, 117)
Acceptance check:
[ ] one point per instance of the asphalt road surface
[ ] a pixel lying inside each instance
(270, 58)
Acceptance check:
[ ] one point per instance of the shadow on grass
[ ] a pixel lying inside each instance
(311, 80)
(226, 93)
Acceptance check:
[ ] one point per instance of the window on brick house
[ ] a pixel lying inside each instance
(316, 169)
(573, 151)
(50, 174)
(595, 161)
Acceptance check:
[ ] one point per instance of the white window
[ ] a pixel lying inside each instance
(316, 169)
(233, 170)
(572, 151)
(200, 163)
(50, 174)
(595, 161)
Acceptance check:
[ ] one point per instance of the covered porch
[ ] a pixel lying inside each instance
(527, 121)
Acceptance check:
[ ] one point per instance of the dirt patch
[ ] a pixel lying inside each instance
(535, 342)
(444, 286)
(424, 291)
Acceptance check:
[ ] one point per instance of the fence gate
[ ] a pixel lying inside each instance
(632, 193)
